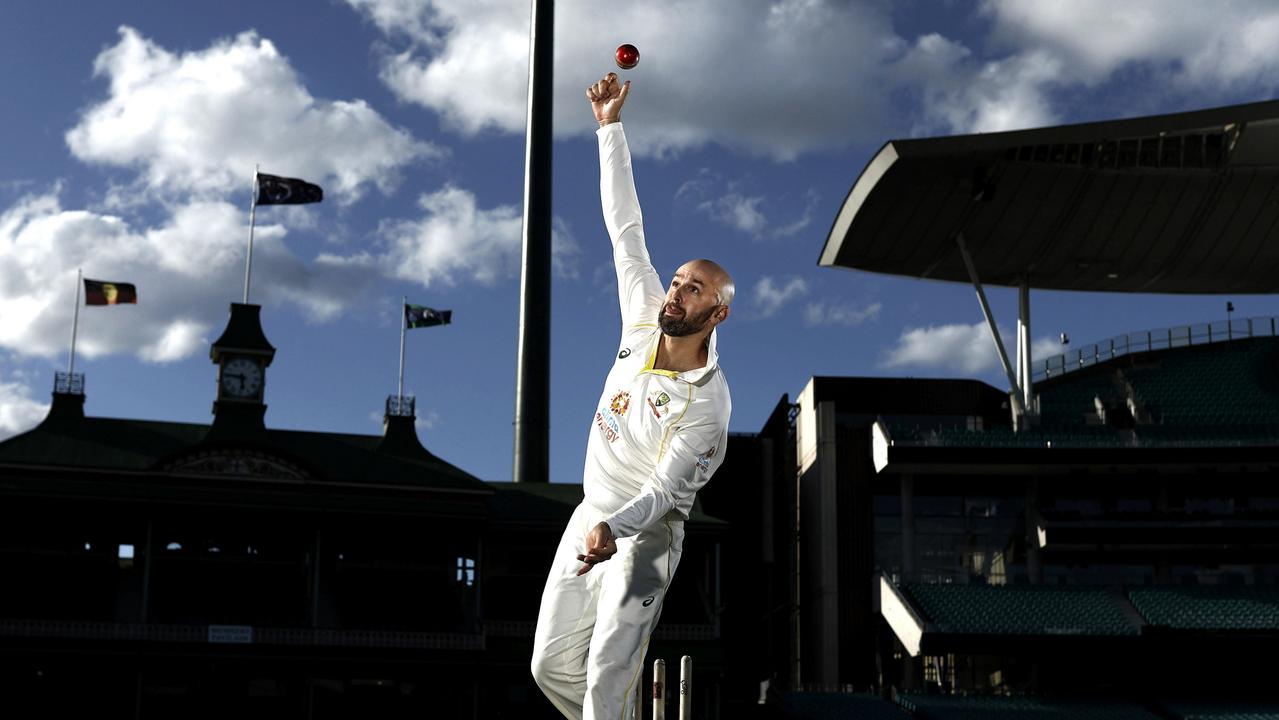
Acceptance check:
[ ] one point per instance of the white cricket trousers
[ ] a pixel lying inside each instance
(593, 630)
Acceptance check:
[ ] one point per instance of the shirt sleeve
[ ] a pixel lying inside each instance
(693, 453)
(639, 289)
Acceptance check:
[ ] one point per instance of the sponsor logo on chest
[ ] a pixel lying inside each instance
(660, 403)
(609, 424)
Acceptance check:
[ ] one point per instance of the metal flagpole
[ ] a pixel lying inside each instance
(253, 209)
(404, 321)
(75, 323)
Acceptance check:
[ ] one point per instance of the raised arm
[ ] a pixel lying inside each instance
(640, 291)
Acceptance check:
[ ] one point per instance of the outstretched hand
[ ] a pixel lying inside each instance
(600, 546)
(607, 97)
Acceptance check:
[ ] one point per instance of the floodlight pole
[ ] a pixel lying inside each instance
(1019, 408)
(533, 355)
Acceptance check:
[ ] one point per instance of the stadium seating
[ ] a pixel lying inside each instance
(838, 706)
(1224, 384)
(1220, 710)
(1219, 394)
(1073, 398)
(1019, 609)
(975, 707)
(1209, 608)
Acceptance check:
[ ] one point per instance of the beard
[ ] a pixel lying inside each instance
(682, 326)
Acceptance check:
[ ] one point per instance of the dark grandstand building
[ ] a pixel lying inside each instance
(1098, 540)
(175, 570)
(1101, 539)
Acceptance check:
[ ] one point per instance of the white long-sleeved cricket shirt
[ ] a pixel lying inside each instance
(657, 436)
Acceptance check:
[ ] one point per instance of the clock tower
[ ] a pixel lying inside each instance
(242, 355)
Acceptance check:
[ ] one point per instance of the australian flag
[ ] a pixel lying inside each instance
(276, 190)
(416, 316)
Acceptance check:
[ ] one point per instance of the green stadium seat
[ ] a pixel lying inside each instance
(1019, 609)
(1209, 608)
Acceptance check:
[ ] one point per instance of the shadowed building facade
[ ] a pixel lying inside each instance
(158, 569)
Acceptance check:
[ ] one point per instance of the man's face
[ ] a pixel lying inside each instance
(691, 302)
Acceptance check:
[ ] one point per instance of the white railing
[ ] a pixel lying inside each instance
(1164, 338)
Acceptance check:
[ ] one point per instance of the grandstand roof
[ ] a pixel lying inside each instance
(1182, 203)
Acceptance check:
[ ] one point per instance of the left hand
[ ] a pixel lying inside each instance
(600, 546)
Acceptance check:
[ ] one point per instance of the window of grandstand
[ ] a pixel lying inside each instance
(466, 570)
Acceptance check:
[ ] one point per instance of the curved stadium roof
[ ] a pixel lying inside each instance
(1183, 203)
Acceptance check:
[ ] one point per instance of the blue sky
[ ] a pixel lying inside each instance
(130, 132)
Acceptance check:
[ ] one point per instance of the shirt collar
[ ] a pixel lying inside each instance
(697, 374)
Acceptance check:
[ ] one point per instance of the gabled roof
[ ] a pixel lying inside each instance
(67, 441)
(1181, 203)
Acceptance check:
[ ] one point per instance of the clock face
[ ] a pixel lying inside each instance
(241, 378)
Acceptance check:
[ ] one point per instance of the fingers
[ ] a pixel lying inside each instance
(589, 561)
(606, 89)
(626, 90)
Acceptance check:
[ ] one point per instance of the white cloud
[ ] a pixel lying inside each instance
(1045, 347)
(1198, 42)
(198, 122)
(737, 212)
(19, 411)
(186, 271)
(961, 93)
(965, 348)
(959, 348)
(765, 80)
(786, 77)
(827, 313)
(456, 239)
(724, 202)
(769, 297)
(430, 422)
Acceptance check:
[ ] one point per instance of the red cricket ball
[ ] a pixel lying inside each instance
(627, 56)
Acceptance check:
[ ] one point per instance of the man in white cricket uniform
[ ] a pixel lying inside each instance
(658, 434)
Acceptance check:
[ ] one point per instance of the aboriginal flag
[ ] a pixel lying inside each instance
(275, 190)
(98, 292)
(416, 316)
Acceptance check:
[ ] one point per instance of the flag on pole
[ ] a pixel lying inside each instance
(416, 316)
(276, 190)
(98, 292)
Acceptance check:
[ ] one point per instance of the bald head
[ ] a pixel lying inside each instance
(714, 275)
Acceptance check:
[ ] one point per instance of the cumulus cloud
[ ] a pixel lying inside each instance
(834, 313)
(1198, 42)
(456, 239)
(786, 77)
(187, 127)
(1043, 49)
(767, 84)
(958, 348)
(770, 296)
(960, 93)
(186, 270)
(724, 202)
(19, 411)
(199, 121)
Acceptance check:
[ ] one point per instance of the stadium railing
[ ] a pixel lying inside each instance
(1160, 339)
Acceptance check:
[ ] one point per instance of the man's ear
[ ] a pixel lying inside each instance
(721, 314)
